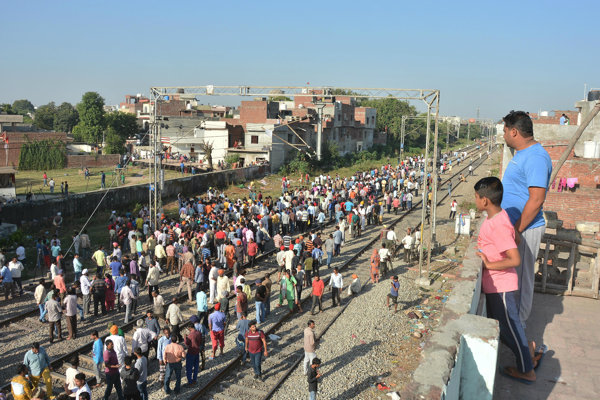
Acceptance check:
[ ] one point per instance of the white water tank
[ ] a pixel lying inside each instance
(589, 149)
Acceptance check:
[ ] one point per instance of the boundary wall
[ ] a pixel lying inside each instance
(460, 357)
(117, 198)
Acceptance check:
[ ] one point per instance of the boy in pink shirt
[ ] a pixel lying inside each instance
(500, 255)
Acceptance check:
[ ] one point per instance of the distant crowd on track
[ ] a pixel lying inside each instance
(207, 248)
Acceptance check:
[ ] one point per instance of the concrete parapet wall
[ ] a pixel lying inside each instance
(122, 197)
(459, 359)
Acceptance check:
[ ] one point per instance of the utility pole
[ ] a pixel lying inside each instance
(434, 175)
(447, 136)
(468, 130)
(155, 169)
(402, 133)
(425, 192)
(320, 107)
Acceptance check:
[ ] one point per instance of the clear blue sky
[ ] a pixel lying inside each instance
(497, 56)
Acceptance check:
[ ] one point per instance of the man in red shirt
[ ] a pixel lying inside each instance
(171, 264)
(252, 251)
(256, 345)
(194, 342)
(173, 354)
(318, 286)
(111, 370)
(241, 303)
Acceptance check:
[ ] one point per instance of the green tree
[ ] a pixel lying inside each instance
(113, 142)
(44, 116)
(330, 158)
(280, 98)
(389, 115)
(66, 118)
(91, 118)
(22, 107)
(6, 108)
(343, 92)
(119, 127)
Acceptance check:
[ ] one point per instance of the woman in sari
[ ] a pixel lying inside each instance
(109, 300)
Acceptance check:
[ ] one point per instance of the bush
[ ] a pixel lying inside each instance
(232, 158)
(296, 165)
(42, 155)
(136, 209)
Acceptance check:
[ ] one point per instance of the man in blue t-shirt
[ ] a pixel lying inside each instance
(525, 182)
(393, 293)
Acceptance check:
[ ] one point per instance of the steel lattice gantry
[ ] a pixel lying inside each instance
(258, 91)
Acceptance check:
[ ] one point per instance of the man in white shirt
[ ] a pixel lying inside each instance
(391, 236)
(289, 256)
(409, 200)
(16, 267)
(126, 297)
(142, 338)
(70, 386)
(174, 318)
(40, 297)
(336, 284)
(453, 207)
(82, 386)
(213, 274)
(158, 304)
(385, 258)
(85, 291)
(407, 242)
(280, 262)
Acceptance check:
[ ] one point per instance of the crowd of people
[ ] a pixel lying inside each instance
(207, 248)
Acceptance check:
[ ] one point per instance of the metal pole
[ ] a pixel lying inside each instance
(447, 137)
(151, 163)
(425, 194)
(402, 133)
(468, 130)
(432, 232)
(156, 134)
(319, 132)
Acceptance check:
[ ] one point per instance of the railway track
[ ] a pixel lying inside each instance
(30, 285)
(235, 381)
(83, 351)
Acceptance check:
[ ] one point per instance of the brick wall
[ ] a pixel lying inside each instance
(9, 157)
(92, 161)
(583, 202)
(379, 137)
(171, 107)
(556, 118)
(572, 207)
(253, 111)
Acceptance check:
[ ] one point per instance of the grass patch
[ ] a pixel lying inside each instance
(32, 180)
(466, 205)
